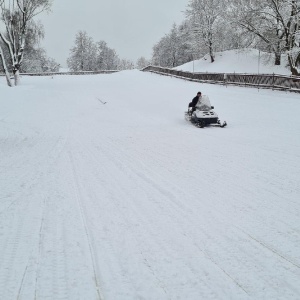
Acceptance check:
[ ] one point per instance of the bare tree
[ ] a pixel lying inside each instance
(16, 16)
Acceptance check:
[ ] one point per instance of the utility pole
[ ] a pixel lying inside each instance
(258, 61)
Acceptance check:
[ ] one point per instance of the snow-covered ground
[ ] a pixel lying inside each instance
(126, 200)
(239, 61)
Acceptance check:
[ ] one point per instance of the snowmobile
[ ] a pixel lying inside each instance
(204, 115)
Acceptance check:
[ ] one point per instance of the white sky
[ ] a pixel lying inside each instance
(131, 27)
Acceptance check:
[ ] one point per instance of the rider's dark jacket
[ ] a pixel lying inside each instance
(194, 101)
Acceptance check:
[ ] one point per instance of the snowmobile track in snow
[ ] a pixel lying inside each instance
(83, 219)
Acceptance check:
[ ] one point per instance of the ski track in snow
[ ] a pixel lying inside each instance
(128, 201)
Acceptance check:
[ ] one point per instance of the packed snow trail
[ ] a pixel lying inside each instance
(126, 200)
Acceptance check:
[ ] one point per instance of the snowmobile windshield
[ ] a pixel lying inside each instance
(203, 103)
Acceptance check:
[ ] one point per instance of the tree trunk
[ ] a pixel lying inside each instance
(7, 75)
(277, 58)
(17, 77)
(297, 60)
(9, 83)
(293, 68)
(211, 53)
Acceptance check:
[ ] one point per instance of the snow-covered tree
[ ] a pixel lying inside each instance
(37, 61)
(160, 55)
(275, 22)
(107, 58)
(204, 16)
(257, 18)
(16, 17)
(292, 35)
(4, 66)
(218, 25)
(187, 47)
(126, 64)
(84, 53)
(173, 45)
(142, 62)
(174, 48)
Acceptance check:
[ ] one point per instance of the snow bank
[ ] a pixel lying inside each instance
(239, 61)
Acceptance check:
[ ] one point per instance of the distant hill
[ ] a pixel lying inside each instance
(239, 61)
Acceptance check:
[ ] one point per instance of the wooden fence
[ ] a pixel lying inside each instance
(67, 73)
(268, 81)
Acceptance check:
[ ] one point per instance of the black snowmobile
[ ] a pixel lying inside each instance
(204, 115)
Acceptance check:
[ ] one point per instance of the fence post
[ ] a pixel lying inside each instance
(258, 80)
(273, 80)
(225, 79)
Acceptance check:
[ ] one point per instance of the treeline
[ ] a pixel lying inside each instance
(87, 55)
(217, 25)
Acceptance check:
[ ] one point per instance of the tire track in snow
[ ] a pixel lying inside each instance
(83, 219)
(142, 176)
(263, 244)
(16, 249)
(91, 155)
(240, 201)
(30, 257)
(36, 172)
(122, 168)
(171, 196)
(39, 251)
(29, 260)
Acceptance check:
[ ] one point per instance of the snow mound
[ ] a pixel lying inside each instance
(238, 61)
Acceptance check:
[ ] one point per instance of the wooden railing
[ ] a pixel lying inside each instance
(268, 81)
(67, 73)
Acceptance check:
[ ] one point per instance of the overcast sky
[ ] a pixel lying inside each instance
(131, 27)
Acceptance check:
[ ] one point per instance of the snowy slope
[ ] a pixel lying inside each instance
(239, 61)
(126, 200)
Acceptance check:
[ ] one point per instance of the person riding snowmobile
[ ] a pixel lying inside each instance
(201, 113)
(195, 102)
